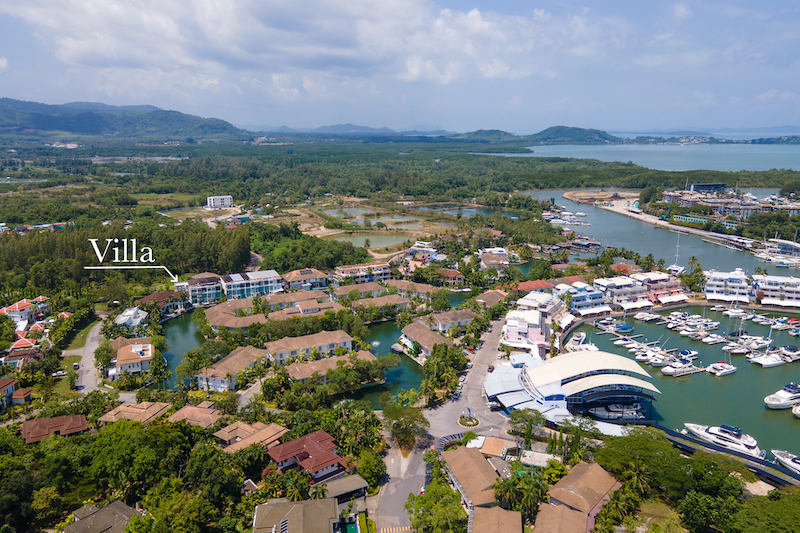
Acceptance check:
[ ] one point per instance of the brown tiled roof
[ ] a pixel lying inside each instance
(312, 452)
(421, 333)
(292, 297)
(6, 383)
(451, 273)
(297, 310)
(161, 297)
(496, 519)
(303, 274)
(239, 359)
(21, 394)
(491, 297)
(404, 285)
(362, 288)
(560, 519)
(380, 301)
(534, 285)
(224, 314)
(454, 315)
(568, 280)
(126, 354)
(205, 417)
(140, 412)
(583, 487)
(323, 338)
(298, 371)
(41, 428)
(494, 446)
(238, 430)
(268, 437)
(120, 342)
(110, 519)
(473, 473)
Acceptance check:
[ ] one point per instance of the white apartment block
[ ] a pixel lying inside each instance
(219, 202)
(727, 286)
(781, 291)
(249, 284)
(623, 291)
(364, 273)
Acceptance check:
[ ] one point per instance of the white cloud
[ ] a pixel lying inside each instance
(681, 11)
(773, 95)
(3, 64)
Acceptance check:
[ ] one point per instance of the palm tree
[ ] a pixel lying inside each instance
(505, 492)
(318, 492)
(294, 493)
(637, 477)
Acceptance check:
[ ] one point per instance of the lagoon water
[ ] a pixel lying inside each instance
(677, 157)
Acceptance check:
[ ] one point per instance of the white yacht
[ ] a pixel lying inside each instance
(785, 398)
(676, 367)
(728, 437)
(769, 360)
(789, 460)
(714, 339)
(720, 368)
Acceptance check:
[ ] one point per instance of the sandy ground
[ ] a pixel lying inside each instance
(583, 196)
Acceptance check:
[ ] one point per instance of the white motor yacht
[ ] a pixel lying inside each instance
(721, 368)
(789, 460)
(714, 339)
(728, 437)
(769, 360)
(689, 355)
(785, 398)
(676, 366)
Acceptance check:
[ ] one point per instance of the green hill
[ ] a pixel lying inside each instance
(567, 135)
(119, 122)
(487, 136)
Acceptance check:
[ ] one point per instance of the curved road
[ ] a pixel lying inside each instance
(406, 475)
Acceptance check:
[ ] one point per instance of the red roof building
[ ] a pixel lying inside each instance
(536, 285)
(315, 453)
(41, 428)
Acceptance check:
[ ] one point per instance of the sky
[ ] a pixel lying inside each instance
(520, 66)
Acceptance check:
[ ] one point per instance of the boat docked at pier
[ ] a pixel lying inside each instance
(728, 437)
(618, 412)
(788, 460)
(785, 398)
(721, 368)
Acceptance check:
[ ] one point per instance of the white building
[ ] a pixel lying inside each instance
(219, 202)
(623, 292)
(249, 284)
(524, 330)
(222, 376)
(130, 318)
(780, 291)
(727, 286)
(134, 358)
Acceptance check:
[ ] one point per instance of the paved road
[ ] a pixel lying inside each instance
(407, 475)
(87, 374)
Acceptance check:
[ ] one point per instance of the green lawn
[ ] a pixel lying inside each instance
(62, 384)
(656, 512)
(79, 339)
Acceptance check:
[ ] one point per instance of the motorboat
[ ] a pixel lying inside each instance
(689, 355)
(721, 368)
(617, 412)
(676, 367)
(728, 437)
(769, 360)
(714, 339)
(789, 460)
(623, 328)
(785, 398)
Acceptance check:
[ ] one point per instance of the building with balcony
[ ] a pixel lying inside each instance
(201, 291)
(778, 291)
(623, 292)
(324, 342)
(305, 279)
(379, 271)
(661, 287)
(727, 286)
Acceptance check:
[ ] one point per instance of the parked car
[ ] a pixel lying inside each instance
(457, 395)
(491, 368)
(469, 364)
(76, 366)
(59, 374)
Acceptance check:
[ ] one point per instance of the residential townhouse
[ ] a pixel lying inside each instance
(168, 301)
(585, 299)
(661, 287)
(325, 342)
(305, 279)
(409, 289)
(420, 333)
(222, 375)
(382, 301)
(227, 315)
(301, 371)
(290, 299)
(727, 286)
(201, 291)
(455, 318)
(365, 273)
(305, 308)
(365, 290)
(623, 292)
(779, 291)
(249, 284)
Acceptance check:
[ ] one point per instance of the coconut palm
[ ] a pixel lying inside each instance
(318, 492)
(637, 477)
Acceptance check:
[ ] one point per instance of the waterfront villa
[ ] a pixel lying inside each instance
(131, 318)
(324, 342)
(396, 300)
(233, 314)
(315, 453)
(370, 289)
(409, 289)
(727, 286)
(204, 290)
(131, 358)
(290, 299)
(222, 375)
(585, 299)
(420, 333)
(305, 308)
(301, 371)
(491, 298)
(168, 301)
(451, 277)
(249, 284)
(455, 318)
(305, 279)
(571, 384)
(379, 271)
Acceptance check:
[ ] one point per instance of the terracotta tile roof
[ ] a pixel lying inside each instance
(473, 473)
(238, 430)
(492, 297)
(303, 274)
(496, 519)
(535, 285)
(6, 383)
(23, 343)
(298, 310)
(140, 412)
(404, 285)
(312, 452)
(268, 437)
(292, 297)
(22, 394)
(583, 487)
(121, 342)
(363, 288)
(127, 355)
(421, 333)
(162, 297)
(560, 519)
(300, 371)
(41, 428)
(380, 301)
(204, 417)
(224, 314)
(454, 315)
(239, 359)
(321, 339)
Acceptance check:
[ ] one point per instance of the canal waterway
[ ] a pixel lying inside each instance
(736, 399)
(181, 335)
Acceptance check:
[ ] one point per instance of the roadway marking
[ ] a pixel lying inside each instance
(396, 529)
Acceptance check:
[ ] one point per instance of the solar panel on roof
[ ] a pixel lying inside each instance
(305, 272)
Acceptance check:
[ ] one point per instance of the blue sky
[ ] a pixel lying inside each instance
(515, 65)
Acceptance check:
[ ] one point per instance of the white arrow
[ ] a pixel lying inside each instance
(171, 275)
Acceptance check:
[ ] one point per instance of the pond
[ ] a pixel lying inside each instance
(181, 335)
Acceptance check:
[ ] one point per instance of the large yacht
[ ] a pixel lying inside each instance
(789, 460)
(728, 437)
(785, 398)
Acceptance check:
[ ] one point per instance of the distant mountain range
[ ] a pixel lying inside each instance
(149, 123)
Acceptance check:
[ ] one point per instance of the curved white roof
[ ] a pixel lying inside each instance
(573, 364)
(504, 379)
(602, 380)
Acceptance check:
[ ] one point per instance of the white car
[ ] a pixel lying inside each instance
(59, 374)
